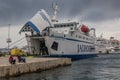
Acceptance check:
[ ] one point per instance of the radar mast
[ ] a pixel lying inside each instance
(55, 10)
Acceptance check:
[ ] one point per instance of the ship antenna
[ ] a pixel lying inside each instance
(55, 8)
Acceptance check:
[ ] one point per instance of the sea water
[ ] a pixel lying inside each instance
(103, 67)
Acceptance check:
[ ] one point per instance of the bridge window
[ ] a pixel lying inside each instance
(68, 25)
(61, 25)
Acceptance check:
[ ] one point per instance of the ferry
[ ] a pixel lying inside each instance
(48, 36)
(107, 46)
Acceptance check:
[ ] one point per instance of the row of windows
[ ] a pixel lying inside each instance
(83, 37)
(79, 37)
(27, 29)
(103, 43)
(64, 25)
(115, 43)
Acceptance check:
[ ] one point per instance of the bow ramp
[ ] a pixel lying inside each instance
(37, 23)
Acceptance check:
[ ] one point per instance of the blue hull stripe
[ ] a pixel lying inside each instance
(72, 39)
(33, 26)
(73, 56)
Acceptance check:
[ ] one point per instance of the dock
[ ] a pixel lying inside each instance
(32, 65)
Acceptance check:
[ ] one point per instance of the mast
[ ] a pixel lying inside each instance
(55, 11)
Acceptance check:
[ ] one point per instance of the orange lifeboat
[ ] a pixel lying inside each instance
(85, 29)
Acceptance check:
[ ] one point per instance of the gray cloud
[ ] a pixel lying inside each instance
(96, 10)
(19, 11)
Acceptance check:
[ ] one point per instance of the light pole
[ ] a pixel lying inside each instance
(8, 39)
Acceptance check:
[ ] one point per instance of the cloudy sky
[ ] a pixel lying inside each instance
(104, 15)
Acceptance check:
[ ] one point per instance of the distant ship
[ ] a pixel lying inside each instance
(107, 46)
(47, 36)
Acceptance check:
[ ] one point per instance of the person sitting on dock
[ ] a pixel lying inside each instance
(12, 60)
(21, 59)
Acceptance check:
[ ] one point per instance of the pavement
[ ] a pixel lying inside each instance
(4, 61)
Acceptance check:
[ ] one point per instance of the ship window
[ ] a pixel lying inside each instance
(64, 35)
(68, 25)
(71, 24)
(79, 36)
(62, 26)
(71, 28)
(25, 27)
(55, 46)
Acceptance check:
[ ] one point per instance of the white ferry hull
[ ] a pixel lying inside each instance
(70, 48)
(66, 47)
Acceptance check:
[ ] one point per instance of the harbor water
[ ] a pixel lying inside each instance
(103, 67)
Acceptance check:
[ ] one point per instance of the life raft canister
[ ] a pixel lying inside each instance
(85, 29)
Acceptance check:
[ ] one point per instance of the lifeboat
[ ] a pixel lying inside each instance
(85, 29)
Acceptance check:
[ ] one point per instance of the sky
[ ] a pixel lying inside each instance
(103, 15)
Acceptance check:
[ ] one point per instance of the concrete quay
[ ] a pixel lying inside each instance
(31, 65)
